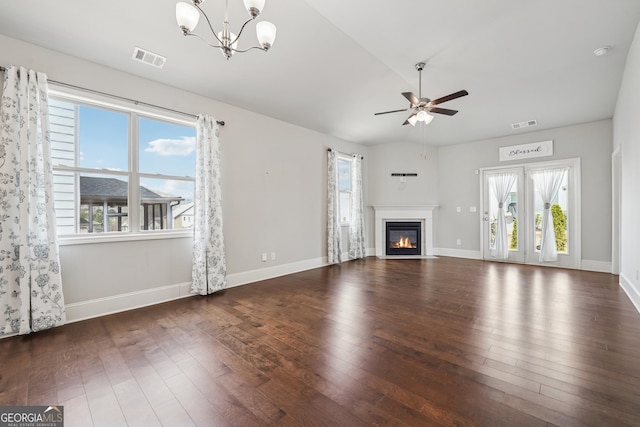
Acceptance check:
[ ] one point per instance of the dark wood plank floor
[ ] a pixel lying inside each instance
(373, 342)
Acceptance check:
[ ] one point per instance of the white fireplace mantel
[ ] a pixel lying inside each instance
(398, 213)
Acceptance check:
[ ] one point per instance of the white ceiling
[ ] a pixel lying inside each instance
(335, 63)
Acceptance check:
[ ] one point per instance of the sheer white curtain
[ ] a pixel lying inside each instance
(334, 232)
(30, 281)
(209, 271)
(547, 183)
(356, 227)
(501, 185)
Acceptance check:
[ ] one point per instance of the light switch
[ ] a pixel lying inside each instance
(472, 209)
(458, 209)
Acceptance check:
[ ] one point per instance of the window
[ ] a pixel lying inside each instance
(344, 189)
(120, 170)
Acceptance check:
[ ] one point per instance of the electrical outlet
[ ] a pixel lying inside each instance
(472, 209)
(458, 242)
(264, 257)
(273, 256)
(458, 209)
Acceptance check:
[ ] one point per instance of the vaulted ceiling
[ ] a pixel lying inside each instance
(336, 63)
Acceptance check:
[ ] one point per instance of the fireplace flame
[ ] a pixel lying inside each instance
(403, 242)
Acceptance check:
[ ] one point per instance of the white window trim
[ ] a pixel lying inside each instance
(135, 112)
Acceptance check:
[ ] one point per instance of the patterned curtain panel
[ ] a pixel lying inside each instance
(209, 272)
(356, 228)
(334, 243)
(547, 183)
(30, 282)
(500, 185)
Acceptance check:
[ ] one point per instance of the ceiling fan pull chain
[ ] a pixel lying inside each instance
(419, 67)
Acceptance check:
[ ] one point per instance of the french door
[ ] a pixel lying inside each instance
(530, 213)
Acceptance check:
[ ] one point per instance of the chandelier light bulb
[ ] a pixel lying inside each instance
(187, 17)
(266, 33)
(254, 7)
(413, 119)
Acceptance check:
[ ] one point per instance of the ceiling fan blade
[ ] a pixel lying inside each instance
(411, 97)
(393, 111)
(445, 111)
(450, 97)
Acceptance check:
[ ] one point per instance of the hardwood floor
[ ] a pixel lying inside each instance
(373, 342)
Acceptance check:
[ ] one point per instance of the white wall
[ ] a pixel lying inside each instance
(386, 159)
(273, 179)
(447, 177)
(626, 136)
(459, 185)
(401, 157)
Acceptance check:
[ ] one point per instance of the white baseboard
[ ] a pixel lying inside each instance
(588, 265)
(114, 304)
(237, 279)
(632, 292)
(458, 253)
(117, 303)
(600, 266)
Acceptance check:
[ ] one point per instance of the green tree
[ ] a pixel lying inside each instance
(559, 227)
(514, 235)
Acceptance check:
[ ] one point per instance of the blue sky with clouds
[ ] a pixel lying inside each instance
(164, 148)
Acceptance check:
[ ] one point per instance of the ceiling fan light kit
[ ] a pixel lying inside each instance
(601, 51)
(188, 15)
(421, 107)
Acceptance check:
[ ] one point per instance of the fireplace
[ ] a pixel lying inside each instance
(404, 238)
(404, 213)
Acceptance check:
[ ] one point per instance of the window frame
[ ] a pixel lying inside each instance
(349, 159)
(133, 174)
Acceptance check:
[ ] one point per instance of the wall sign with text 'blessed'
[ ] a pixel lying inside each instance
(526, 151)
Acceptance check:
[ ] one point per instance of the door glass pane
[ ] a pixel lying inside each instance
(559, 214)
(510, 209)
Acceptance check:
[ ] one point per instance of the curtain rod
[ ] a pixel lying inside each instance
(121, 98)
(331, 149)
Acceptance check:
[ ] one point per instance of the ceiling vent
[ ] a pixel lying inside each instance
(148, 57)
(524, 124)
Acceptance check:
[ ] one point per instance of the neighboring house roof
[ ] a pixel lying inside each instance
(183, 210)
(93, 189)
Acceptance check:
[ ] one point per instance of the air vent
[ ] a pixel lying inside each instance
(524, 124)
(148, 57)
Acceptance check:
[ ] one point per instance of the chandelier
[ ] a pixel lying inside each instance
(188, 15)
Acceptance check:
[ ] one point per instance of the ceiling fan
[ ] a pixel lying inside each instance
(421, 107)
